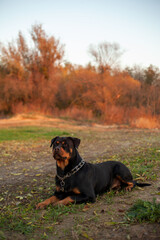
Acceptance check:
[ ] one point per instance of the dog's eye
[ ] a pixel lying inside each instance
(57, 142)
(64, 144)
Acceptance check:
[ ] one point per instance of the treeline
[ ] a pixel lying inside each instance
(37, 77)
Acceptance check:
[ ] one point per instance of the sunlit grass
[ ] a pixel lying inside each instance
(29, 133)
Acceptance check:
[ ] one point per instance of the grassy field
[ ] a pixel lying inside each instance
(29, 133)
(27, 177)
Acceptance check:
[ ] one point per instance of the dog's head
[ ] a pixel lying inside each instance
(64, 149)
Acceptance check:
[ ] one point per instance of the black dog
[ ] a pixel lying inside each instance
(78, 181)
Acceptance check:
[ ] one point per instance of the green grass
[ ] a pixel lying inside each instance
(29, 133)
(144, 164)
(25, 219)
(21, 216)
(144, 211)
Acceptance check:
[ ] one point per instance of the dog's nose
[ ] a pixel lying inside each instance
(57, 149)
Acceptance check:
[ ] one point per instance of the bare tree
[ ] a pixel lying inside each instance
(136, 72)
(48, 52)
(105, 55)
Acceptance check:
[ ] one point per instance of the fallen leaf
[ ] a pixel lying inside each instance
(140, 178)
(16, 174)
(95, 213)
(128, 237)
(111, 223)
(20, 197)
(121, 210)
(140, 188)
(29, 223)
(39, 174)
(45, 235)
(138, 175)
(86, 208)
(84, 234)
(29, 195)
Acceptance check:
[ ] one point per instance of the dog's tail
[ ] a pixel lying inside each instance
(141, 184)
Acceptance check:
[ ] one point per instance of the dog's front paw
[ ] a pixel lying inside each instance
(41, 205)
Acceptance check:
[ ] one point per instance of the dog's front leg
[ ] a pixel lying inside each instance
(48, 201)
(76, 198)
(65, 201)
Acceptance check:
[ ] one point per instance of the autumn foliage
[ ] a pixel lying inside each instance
(36, 78)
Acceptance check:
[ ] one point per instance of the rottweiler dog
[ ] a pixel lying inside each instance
(78, 181)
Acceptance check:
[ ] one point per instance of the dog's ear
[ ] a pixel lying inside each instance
(76, 141)
(53, 140)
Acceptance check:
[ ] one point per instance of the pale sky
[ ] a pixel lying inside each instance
(134, 24)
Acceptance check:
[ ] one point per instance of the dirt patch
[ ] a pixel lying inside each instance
(25, 164)
(40, 120)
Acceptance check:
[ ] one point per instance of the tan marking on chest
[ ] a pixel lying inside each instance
(57, 188)
(62, 164)
(76, 191)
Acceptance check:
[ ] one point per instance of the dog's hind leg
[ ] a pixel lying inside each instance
(129, 184)
(123, 174)
(116, 184)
